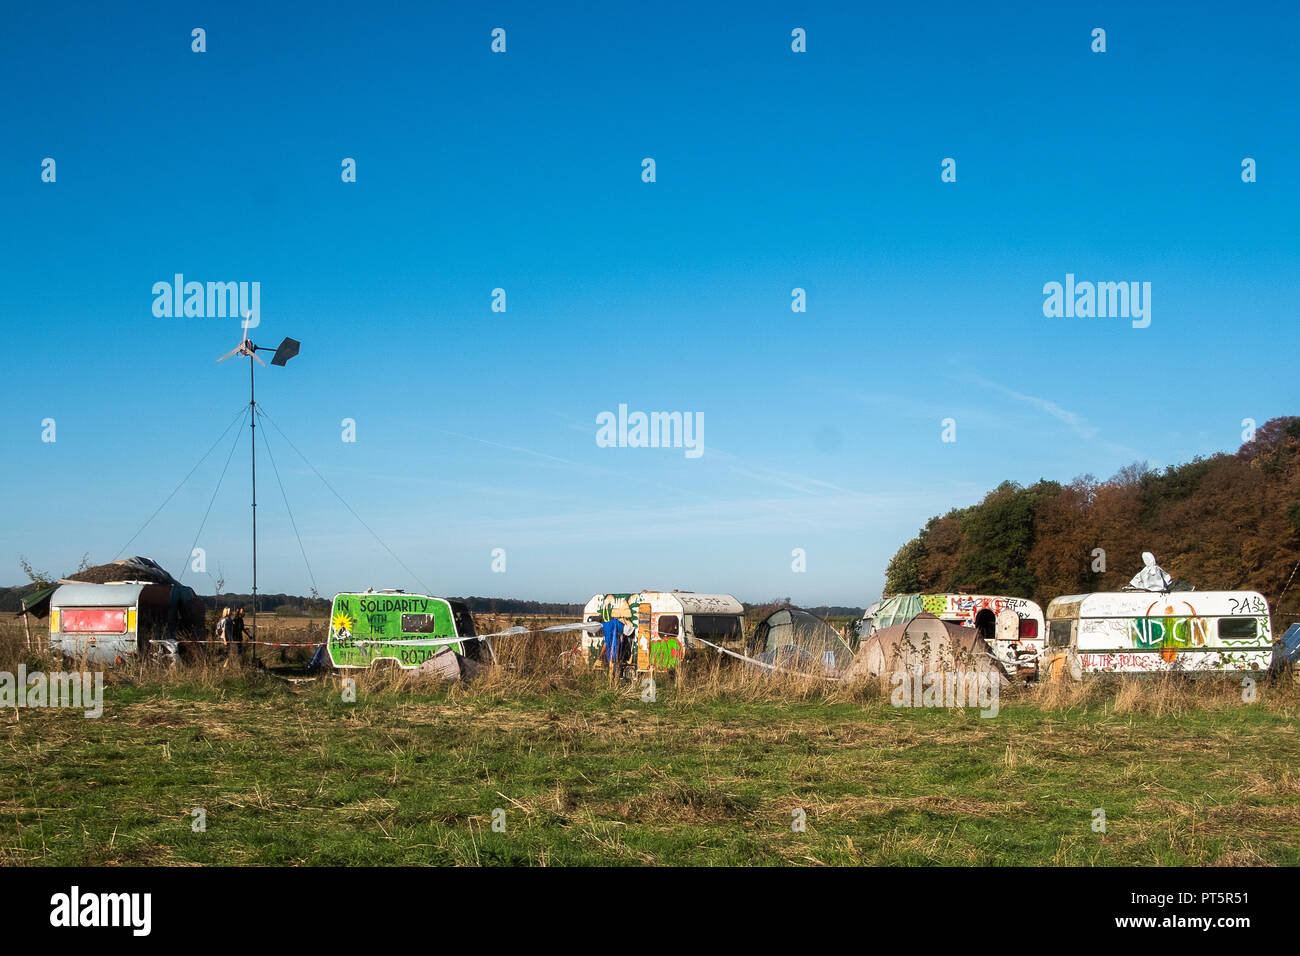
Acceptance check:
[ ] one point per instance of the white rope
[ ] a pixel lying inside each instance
(764, 664)
(751, 660)
(516, 631)
(519, 631)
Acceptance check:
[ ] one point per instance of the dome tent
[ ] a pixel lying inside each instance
(924, 644)
(793, 638)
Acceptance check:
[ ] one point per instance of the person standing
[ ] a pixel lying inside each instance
(223, 627)
(235, 632)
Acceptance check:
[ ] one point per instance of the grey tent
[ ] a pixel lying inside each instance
(925, 644)
(794, 639)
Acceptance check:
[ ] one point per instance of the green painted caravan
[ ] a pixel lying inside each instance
(407, 629)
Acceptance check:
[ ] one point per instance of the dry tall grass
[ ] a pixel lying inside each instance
(537, 664)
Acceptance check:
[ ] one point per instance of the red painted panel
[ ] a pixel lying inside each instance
(1028, 627)
(98, 620)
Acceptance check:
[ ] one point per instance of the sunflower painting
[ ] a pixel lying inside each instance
(341, 627)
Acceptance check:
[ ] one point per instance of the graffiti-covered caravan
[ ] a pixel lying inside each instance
(668, 625)
(408, 629)
(613, 606)
(1012, 626)
(1145, 631)
(692, 622)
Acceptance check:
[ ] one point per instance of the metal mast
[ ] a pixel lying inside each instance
(287, 349)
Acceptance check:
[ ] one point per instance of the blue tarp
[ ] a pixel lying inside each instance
(1288, 650)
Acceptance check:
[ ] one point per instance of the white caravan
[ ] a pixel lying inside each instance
(678, 624)
(1119, 632)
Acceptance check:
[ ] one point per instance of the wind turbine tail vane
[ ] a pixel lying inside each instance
(287, 350)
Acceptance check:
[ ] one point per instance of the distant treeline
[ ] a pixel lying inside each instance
(11, 598)
(757, 612)
(1223, 522)
(823, 611)
(293, 604)
(482, 605)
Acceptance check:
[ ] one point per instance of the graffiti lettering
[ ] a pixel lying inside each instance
(389, 604)
(1247, 605)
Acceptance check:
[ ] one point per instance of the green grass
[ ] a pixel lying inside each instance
(291, 774)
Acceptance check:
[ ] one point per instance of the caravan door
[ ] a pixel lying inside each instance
(1021, 658)
(1008, 627)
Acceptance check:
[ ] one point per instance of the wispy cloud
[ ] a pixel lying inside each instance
(1073, 419)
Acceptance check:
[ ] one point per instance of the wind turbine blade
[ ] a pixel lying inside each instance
(234, 351)
(254, 355)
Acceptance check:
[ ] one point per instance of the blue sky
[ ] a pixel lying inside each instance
(775, 170)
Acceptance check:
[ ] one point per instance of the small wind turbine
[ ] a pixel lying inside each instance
(285, 351)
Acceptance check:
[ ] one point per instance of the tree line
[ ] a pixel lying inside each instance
(1218, 523)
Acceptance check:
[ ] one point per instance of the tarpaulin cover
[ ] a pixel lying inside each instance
(897, 610)
(1152, 577)
(1287, 650)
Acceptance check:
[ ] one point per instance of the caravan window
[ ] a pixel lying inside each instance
(717, 628)
(1028, 627)
(419, 624)
(1058, 633)
(102, 621)
(1237, 628)
(667, 626)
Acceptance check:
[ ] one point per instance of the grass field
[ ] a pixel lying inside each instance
(713, 772)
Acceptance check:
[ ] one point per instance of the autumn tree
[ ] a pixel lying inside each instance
(1229, 521)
